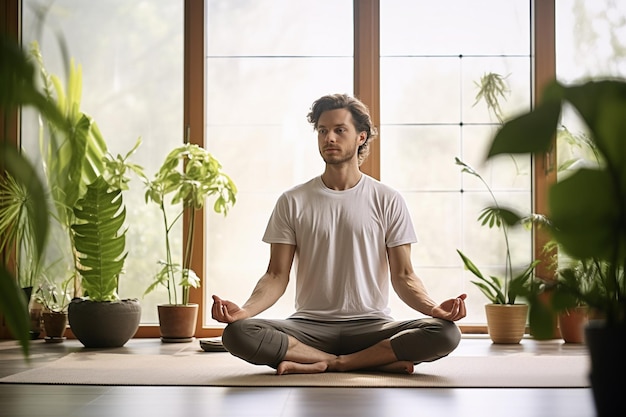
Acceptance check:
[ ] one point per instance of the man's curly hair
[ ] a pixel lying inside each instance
(360, 116)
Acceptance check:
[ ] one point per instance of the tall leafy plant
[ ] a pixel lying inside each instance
(187, 177)
(99, 231)
(72, 159)
(506, 289)
(492, 89)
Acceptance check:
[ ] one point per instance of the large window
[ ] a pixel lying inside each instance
(433, 56)
(264, 64)
(131, 56)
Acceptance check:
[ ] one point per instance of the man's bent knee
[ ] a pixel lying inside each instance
(433, 340)
(254, 342)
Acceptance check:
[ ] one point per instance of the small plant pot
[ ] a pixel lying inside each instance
(177, 322)
(572, 324)
(506, 323)
(54, 323)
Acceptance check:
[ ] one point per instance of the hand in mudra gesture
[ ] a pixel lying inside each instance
(226, 311)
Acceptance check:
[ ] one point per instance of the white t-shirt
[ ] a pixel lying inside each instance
(341, 240)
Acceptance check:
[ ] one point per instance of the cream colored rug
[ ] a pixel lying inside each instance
(221, 369)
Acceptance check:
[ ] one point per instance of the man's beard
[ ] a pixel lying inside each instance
(337, 159)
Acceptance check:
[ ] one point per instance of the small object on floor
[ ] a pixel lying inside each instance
(212, 344)
(51, 339)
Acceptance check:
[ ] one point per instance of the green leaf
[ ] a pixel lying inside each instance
(13, 305)
(541, 320)
(586, 224)
(529, 133)
(100, 240)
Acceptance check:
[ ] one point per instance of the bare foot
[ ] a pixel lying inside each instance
(288, 367)
(400, 367)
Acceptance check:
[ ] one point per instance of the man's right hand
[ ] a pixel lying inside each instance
(226, 311)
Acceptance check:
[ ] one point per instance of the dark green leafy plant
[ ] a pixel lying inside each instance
(588, 208)
(19, 89)
(188, 176)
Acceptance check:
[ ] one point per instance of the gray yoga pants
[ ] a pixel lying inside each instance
(265, 342)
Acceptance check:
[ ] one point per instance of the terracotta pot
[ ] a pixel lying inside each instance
(177, 322)
(54, 323)
(506, 323)
(572, 324)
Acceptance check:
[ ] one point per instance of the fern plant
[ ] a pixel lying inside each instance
(100, 240)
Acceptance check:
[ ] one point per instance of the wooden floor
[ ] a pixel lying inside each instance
(91, 401)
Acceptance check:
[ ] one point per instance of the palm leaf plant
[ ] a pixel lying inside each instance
(187, 177)
(18, 217)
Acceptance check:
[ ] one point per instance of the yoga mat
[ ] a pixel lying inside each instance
(199, 368)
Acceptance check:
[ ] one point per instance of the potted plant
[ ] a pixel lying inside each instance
(85, 183)
(101, 318)
(506, 318)
(588, 212)
(187, 177)
(573, 312)
(55, 302)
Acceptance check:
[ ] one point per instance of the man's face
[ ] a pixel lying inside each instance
(337, 138)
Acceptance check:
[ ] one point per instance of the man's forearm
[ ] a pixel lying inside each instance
(413, 293)
(265, 294)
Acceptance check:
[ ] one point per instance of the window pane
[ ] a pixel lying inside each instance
(454, 27)
(433, 54)
(267, 61)
(590, 43)
(131, 54)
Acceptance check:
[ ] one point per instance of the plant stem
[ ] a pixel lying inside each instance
(171, 282)
(188, 252)
(508, 268)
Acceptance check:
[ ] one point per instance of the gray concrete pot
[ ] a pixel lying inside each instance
(104, 323)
